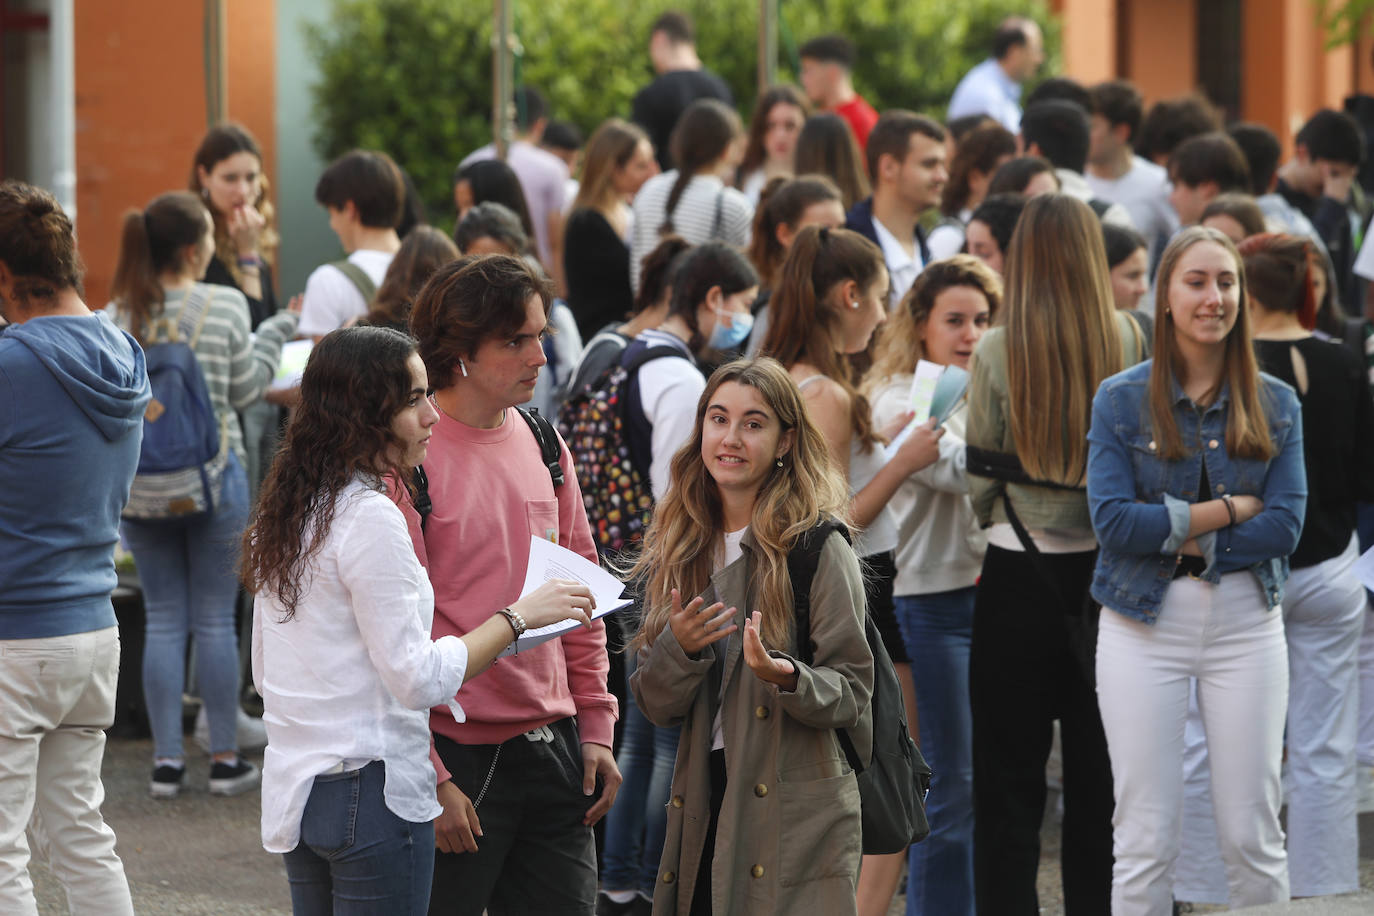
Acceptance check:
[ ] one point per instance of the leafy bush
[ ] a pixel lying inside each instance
(413, 77)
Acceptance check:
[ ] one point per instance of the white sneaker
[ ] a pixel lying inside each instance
(251, 733)
(1364, 788)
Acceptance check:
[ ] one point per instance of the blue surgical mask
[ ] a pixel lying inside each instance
(728, 336)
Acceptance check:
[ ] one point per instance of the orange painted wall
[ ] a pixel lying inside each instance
(1089, 39)
(141, 108)
(1287, 74)
(1162, 59)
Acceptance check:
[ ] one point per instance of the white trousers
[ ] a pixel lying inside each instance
(57, 696)
(1323, 615)
(1364, 750)
(1224, 637)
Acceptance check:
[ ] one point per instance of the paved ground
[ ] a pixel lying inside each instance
(199, 855)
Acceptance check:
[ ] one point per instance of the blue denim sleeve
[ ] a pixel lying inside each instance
(1122, 525)
(1180, 520)
(1275, 531)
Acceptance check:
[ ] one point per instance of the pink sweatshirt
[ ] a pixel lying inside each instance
(491, 491)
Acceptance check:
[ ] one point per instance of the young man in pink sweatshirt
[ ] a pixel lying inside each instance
(518, 780)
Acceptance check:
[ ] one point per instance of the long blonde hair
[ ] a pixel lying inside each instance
(680, 543)
(900, 343)
(1061, 334)
(1247, 425)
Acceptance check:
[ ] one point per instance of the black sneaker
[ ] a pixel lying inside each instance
(166, 781)
(233, 778)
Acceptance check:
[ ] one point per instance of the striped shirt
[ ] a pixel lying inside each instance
(238, 364)
(694, 217)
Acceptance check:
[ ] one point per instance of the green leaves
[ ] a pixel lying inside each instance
(413, 77)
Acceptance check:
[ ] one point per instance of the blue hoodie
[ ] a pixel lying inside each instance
(73, 390)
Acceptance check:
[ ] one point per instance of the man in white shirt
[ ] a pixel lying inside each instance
(363, 192)
(993, 87)
(543, 176)
(1115, 173)
(1058, 130)
(907, 162)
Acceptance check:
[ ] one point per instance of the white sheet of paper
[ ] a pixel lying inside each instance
(549, 561)
(294, 354)
(1364, 568)
(923, 389)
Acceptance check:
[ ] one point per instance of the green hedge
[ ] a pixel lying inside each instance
(413, 77)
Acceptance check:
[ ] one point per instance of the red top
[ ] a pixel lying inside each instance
(861, 118)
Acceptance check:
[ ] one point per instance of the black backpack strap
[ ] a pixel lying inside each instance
(1006, 466)
(1100, 206)
(547, 438)
(649, 354)
(420, 481)
(802, 560)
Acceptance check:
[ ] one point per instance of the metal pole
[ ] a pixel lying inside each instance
(768, 44)
(503, 75)
(61, 35)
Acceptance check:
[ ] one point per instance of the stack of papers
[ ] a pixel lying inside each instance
(549, 561)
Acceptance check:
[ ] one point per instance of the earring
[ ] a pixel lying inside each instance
(462, 368)
(779, 462)
(854, 304)
(205, 192)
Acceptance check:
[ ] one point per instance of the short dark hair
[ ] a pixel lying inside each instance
(831, 49)
(1332, 135)
(1171, 121)
(1014, 175)
(562, 135)
(999, 212)
(468, 302)
(1260, 147)
(493, 221)
(676, 25)
(892, 136)
(1119, 102)
(1214, 157)
(1120, 243)
(1011, 33)
(1061, 130)
(530, 106)
(1061, 87)
(371, 180)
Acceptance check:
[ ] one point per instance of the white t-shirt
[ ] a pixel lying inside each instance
(668, 392)
(1364, 261)
(331, 299)
(1144, 192)
(730, 552)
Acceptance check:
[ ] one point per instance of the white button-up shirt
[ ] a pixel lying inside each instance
(902, 267)
(351, 676)
(986, 89)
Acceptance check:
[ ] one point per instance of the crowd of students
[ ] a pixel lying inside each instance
(1140, 521)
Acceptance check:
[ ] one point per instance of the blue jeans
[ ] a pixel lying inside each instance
(646, 758)
(355, 856)
(938, 631)
(190, 586)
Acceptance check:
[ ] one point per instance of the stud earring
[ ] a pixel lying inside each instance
(854, 304)
(779, 462)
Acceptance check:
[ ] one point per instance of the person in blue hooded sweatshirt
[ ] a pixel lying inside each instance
(73, 391)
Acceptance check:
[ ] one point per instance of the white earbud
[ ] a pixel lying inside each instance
(462, 368)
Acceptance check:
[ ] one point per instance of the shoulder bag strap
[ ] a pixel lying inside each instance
(544, 434)
(358, 277)
(420, 480)
(715, 221)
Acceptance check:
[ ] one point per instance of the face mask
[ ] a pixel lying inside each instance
(728, 336)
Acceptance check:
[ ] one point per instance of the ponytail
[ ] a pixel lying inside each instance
(151, 242)
(702, 268)
(703, 134)
(803, 326)
(783, 202)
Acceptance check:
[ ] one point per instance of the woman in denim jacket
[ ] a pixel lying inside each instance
(1197, 491)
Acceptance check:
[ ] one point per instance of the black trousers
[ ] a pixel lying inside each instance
(1022, 676)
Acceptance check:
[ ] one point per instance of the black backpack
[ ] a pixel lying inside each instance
(894, 783)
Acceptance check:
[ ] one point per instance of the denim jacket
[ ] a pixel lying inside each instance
(1140, 502)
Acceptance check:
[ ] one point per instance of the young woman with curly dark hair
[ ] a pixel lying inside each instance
(342, 653)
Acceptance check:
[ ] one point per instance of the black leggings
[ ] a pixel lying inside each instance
(880, 575)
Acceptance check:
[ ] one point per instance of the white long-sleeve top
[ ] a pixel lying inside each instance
(351, 676)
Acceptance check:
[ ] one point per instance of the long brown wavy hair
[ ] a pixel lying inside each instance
(680, 544)
(219, 143)
(803, 322)
(1061, 336)
(355, 382)
(424, 250)
(900, 340)
(1247, 425)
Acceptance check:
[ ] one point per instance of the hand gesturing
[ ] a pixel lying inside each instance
(697, 626)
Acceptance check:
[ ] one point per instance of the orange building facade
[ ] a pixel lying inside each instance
(1260, 60)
